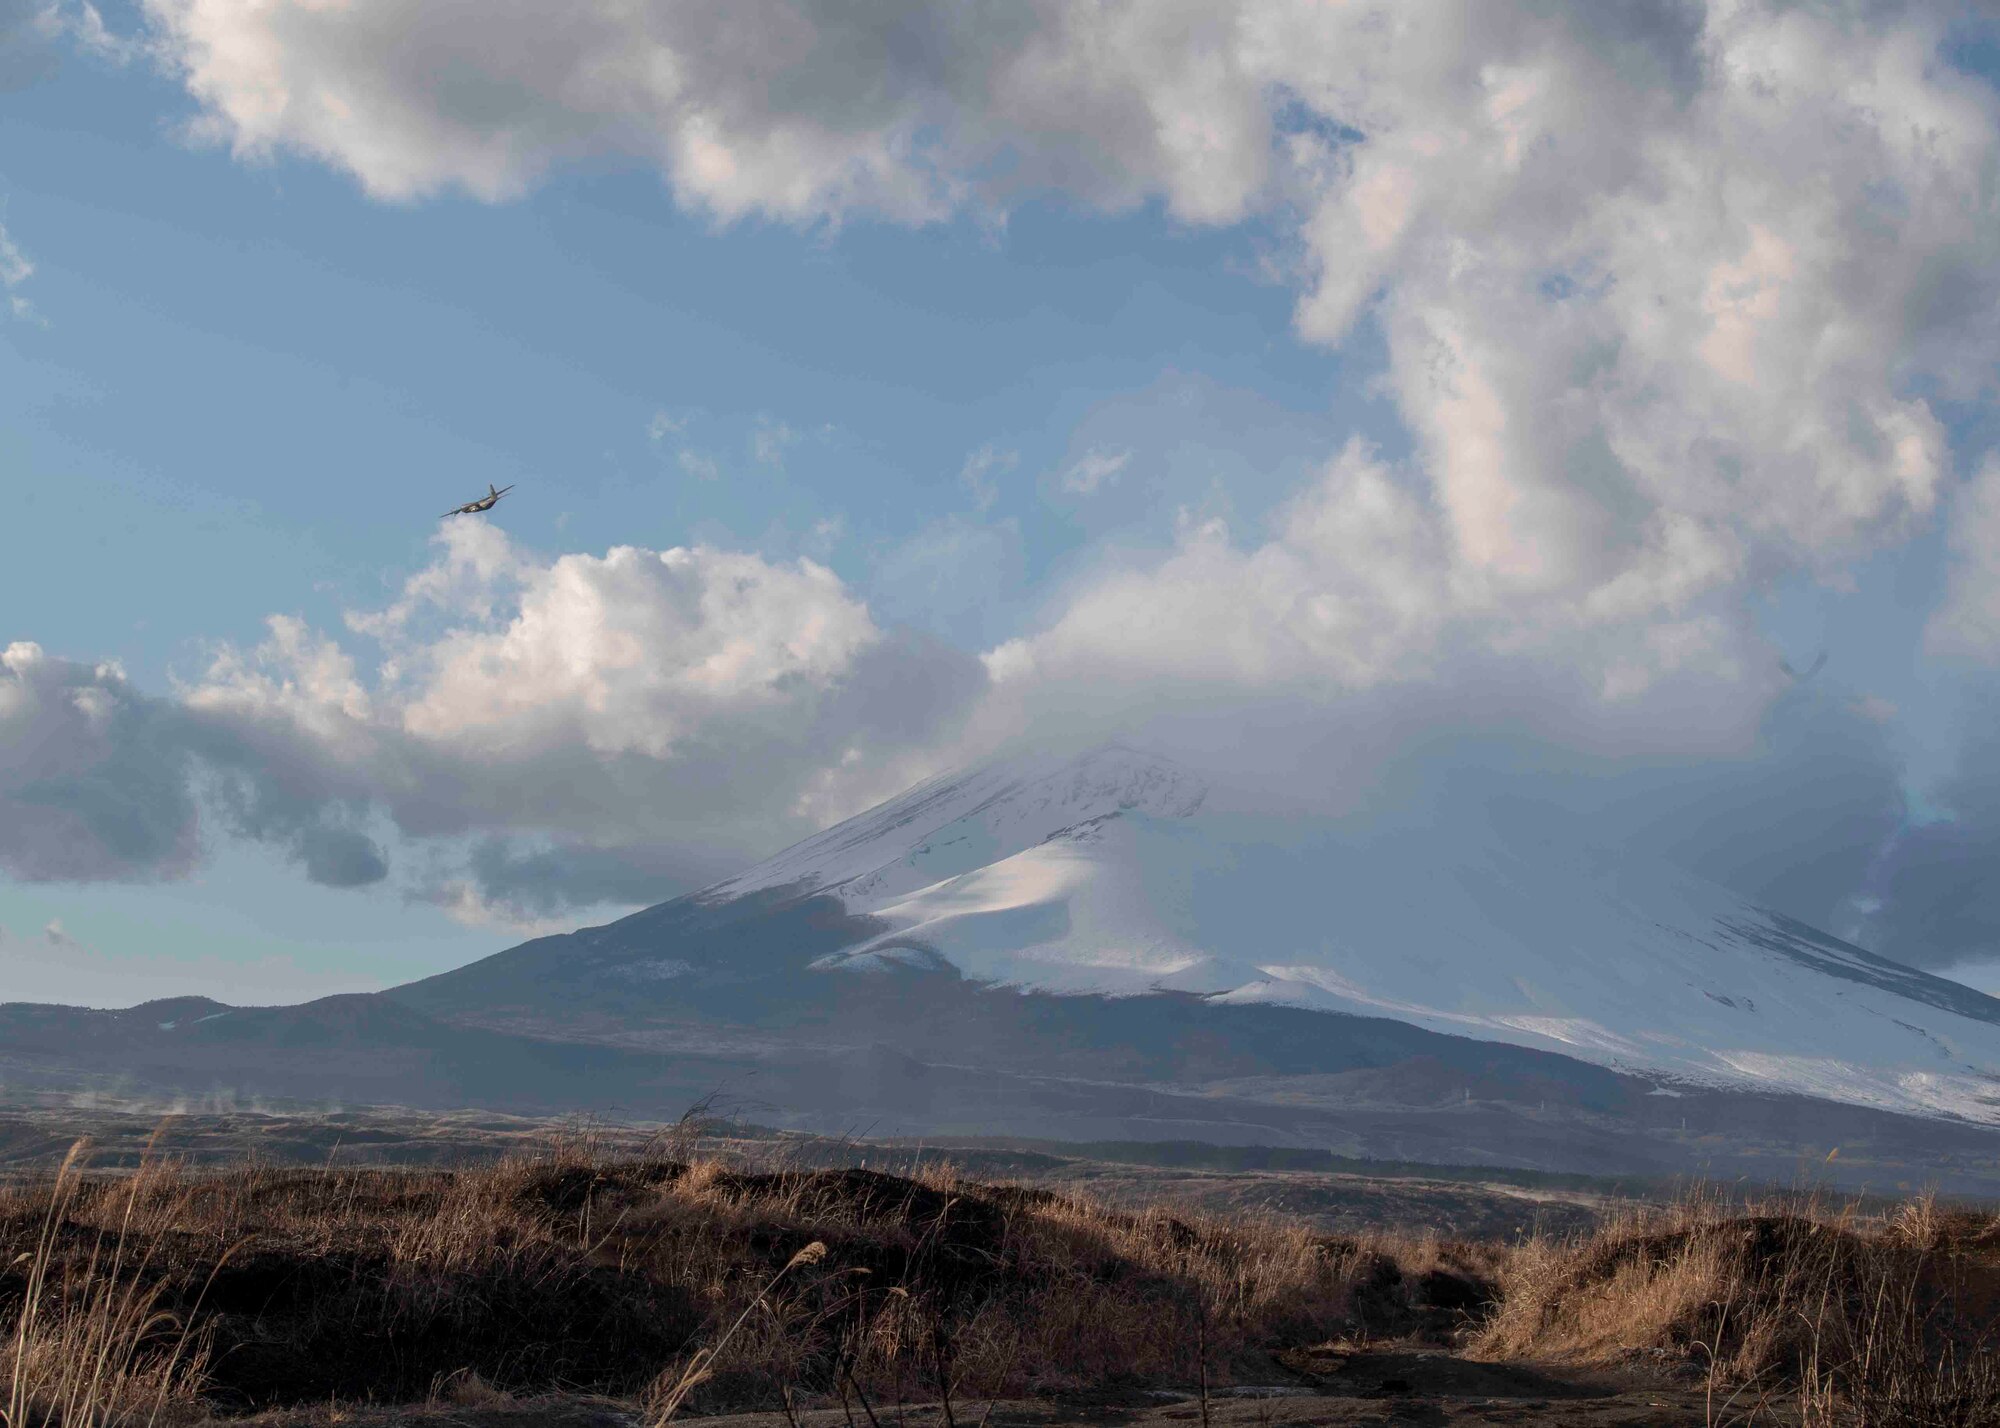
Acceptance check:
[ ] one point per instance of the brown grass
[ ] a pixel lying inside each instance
(689, 1285)
(90, 1343)
(1883, 1321)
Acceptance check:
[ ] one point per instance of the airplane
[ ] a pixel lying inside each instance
(485, 503)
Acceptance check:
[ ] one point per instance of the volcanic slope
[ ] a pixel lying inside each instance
(1112, 875)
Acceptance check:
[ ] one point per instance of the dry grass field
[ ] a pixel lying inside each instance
(568, 1285)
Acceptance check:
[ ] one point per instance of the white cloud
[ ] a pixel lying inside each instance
(60, 939)
(1352, 582)
(1664, 296)
(1637, 356)
(1641, 367)
(587, 728)
(1352, 596)
(636, 651)
(1096, 467)
(1644, 365)
(664, 425)
(979, 475)
(674, 701)
(702, 468)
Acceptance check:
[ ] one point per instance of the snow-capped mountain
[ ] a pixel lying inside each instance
(1099, 948)
(1107, 873)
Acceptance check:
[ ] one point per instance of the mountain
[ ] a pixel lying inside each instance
(1107, 874)
(1095, 947)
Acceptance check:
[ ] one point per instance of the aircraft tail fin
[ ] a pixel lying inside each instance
(489, 489)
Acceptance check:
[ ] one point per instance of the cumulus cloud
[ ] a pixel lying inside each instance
(794, 110)
(600, 723)
(646, 714)
(1641, 362)
(1351, 584)
(1667, 299)
(1641, 368)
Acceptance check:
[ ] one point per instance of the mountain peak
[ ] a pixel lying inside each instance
(964, 819)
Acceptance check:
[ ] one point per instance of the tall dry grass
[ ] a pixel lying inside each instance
(651, 1277)
(1792, 1305)
(687, 1284)
(91, 1345)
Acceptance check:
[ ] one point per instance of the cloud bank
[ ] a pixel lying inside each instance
(1668, 290)
(1673, 301)
(590, 728)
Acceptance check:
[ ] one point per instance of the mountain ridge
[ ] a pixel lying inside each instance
(1094, 948)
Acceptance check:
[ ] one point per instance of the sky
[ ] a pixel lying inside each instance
(1477, 402)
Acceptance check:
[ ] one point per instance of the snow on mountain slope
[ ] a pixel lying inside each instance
(1105, 874)
(965, 820)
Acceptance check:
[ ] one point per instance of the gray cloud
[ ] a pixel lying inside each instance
(547, 881)
(794, 109)
(94, 775)
(340, 857)
(99, 781)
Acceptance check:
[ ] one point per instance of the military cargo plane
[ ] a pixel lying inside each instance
(485, 503)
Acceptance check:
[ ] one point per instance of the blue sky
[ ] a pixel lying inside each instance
(258, 350)
(1041, 384)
